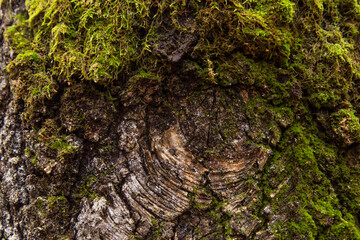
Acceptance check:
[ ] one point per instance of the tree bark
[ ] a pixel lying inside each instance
(209, 120)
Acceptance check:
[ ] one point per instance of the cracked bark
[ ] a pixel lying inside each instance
(158, 181)
(172, 159)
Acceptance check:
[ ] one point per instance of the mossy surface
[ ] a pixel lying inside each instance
(298, 62)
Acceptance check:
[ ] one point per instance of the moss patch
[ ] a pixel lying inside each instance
(294, 66)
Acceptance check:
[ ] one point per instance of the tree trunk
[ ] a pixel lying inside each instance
(183, 120)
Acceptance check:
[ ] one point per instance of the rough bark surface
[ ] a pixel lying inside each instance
(176, 158)
(149, 183)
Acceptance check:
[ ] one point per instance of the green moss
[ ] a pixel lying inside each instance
(346, 125)
(324, 99)
(297, 60)
(313, 166)
(304, 228)
(62, 147)
(16, 34)
(85, 189)
(52, 205)
(350, 8)
(94, 41)
(53, 201)
(345, 230)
